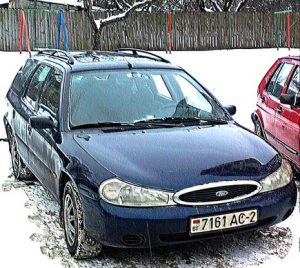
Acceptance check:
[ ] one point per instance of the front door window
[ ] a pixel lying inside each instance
(36, 85)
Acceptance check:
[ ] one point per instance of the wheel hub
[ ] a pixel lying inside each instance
(69, 219)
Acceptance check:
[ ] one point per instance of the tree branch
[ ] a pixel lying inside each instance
(227, 5)
(201, 5)
(216, 5)
(119, 6)
(88, 6)
(240, 5)
(125, 4)
(121, 16)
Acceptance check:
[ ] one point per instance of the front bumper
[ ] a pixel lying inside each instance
(149, 227)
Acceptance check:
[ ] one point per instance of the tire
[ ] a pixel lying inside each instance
(297, 177)
(79, 244)
(258, 129)
(20, 171)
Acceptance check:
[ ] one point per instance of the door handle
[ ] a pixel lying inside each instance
(279, 110)
(29, 129)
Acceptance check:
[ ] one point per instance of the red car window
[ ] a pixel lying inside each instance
(281, 79)
(294, 86)
(272, 81)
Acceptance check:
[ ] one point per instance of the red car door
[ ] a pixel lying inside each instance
(287, 122)
(269, 101)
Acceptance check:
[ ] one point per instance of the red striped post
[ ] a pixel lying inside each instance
(289, 30)
(23, 26)
(21, 31)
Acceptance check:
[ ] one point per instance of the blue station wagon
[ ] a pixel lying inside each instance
(138, 153)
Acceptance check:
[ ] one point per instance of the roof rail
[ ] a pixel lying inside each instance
(137, 53)
(57, 53)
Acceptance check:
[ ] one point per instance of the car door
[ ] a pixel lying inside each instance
(287, 123)
(17, 110)
(270, 98)
(48, 105)
(35, 141)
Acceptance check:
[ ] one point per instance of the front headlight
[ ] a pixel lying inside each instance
(280, 178)
(120, 193)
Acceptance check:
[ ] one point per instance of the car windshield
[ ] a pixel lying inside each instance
(130, 96)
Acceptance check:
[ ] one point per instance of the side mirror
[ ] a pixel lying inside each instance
(231, 109)
(287, 99)
(42, 122)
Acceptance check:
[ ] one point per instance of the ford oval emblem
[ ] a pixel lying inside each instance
(221, 193)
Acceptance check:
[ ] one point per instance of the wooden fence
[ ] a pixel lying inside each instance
(191, 31)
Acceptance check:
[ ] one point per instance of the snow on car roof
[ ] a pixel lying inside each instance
(64, 2)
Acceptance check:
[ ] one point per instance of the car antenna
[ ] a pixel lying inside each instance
(128, 62)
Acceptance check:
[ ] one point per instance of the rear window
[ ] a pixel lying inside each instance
(279, 79)
(272, 81)
(23, 75)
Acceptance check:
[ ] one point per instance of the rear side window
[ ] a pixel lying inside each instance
(50, 98)
(295, 83)
(272, 82)
(22, 76)
(279, 79)
(36, 84)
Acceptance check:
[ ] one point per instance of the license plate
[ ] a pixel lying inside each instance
(223, 221)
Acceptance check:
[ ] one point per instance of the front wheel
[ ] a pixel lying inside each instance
(79, 244)
(20, 171)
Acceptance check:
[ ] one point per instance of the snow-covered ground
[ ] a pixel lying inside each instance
(30, 235)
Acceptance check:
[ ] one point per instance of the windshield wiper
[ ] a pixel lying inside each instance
(154, 122)
(216, 121)
(103, 124)
(182, 120)
(157, 123)
(138, 124)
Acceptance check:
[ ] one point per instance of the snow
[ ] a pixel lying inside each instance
(29, 217)
(60, 2)
(64, 2)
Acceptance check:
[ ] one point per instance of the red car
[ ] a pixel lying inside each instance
(277, 117)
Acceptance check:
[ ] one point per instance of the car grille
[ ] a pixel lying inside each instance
(216, 193)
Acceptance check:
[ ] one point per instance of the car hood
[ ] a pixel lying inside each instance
(177, 158)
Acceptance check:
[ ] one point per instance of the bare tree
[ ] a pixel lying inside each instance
(227, 5)
(271, 5)
(205, 5)
(122, 7)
